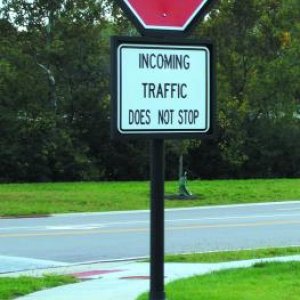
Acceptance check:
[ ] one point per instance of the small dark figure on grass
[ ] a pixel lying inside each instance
(183, 191)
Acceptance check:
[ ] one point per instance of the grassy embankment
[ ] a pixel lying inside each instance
(263, 281)
(224, 256)
(47, 198)
(267, 281)
(11, 288)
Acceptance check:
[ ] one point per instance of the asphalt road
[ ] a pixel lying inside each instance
(105, 236)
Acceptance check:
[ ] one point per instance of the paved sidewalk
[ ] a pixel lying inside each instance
(124, 280)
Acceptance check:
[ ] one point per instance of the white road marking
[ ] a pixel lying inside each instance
(75, 227)
(55, 227)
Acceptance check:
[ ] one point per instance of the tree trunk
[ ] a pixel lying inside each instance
(180, 166)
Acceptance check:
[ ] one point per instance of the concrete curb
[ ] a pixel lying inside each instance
(175, 209)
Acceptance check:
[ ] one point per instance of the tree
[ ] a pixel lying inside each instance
(258, 70)
(54, 78)
(55, 96)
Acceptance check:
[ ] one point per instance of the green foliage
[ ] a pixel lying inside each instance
(40, 142)
(55, 95)
(258, 90)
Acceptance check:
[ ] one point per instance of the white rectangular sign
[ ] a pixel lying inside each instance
(163, 88)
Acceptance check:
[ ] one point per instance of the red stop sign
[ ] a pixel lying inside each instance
(157, 16)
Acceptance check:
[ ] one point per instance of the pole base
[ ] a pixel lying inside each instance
(160, 296)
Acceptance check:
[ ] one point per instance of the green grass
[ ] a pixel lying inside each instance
(223, 256)
(47, 198)
(264, 281)
(11, 288)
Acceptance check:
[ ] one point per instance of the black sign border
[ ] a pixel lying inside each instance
(160, 32)
(116, 134)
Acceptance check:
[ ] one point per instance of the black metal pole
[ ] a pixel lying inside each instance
(157, 220)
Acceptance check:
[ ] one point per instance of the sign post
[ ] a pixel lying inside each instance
(157, 221)
(162, 89)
